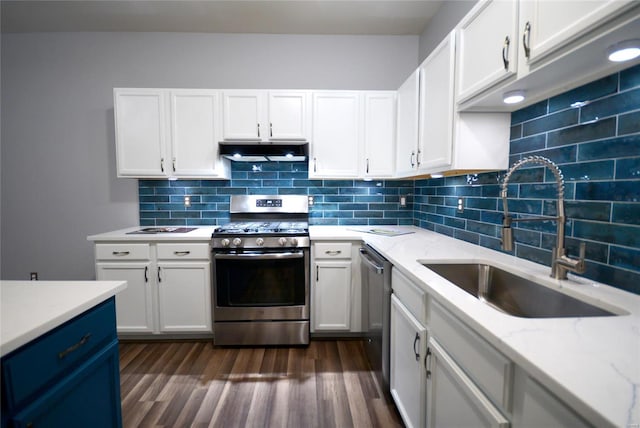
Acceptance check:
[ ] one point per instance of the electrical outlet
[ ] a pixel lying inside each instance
(460, 205)
(187, 201)
(34, 276)
(310, 201)
(403, 201)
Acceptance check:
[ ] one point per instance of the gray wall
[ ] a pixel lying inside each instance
(447, 17)
(58, 158)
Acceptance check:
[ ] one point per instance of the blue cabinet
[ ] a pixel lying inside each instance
(67, 377)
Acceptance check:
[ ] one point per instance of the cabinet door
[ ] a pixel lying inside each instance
(332, 296)
(194, 133)
(436, 107)
(242, 113)
(379, 134)
(407, 130)
(287, 115)
(140, 132)
(184, 297)
(549, 26)
(487, 44)
(407, 377)
(86, 397)
(453, 400)
(134, 305)
(336, 135)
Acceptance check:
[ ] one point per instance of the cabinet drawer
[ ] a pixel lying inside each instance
(485, 365)
(122, 251)
(332, 250)
(409, 294)
(177, 251)
(53, 355)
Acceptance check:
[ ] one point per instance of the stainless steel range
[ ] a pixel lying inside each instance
(261, 272)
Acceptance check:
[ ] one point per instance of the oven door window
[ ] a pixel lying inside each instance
(260, 279)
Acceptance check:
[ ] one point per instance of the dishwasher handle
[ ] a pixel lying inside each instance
(370, 262)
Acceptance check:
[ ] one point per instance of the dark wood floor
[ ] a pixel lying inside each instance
(183, 384)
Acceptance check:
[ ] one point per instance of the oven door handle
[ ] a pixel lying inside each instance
(260, 256)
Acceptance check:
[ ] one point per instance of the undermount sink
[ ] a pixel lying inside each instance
(512, 294)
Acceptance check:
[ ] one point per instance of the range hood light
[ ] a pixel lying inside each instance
(289, 155)
(256, 151)
(237, 155)
(513, 97)
(624, 51)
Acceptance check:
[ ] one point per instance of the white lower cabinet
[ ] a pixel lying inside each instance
(184, 296)
(454, 400)
(407, 375)
(134, 305)
(169, 286)
(335, 287)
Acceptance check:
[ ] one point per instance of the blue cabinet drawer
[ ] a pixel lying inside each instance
(45, 360)
(88, 397)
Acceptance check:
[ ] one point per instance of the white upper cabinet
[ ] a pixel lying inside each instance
(265, 115)
(336, 135)
(548, 26)
(407, 131)
(288, 115)
(379, 134)
(436, 107)
(554, 46)
(487, 47)
(164, 133)
(141, 132)
(195, 132)
(243, 115)
(450, 140)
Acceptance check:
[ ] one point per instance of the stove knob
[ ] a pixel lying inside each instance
(259, 242)
(294, 242)
(282, 241)
(237, 241)
(225, 242)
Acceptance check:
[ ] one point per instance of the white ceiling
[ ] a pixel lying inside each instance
(376, 17)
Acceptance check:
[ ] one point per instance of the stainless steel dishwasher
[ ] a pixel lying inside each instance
(376, 310)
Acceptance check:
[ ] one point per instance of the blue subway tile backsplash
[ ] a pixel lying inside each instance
(591, 132)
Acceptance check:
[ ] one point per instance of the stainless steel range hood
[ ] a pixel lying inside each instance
(263, 151)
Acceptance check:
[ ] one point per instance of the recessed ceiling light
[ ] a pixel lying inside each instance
(624, 51)
(513, 97)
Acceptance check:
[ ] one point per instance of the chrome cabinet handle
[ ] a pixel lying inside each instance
(173, 164)
(258, 130)
(505, 53)
(72, 348)
(526, 40)
(416, 340)
(120, 253)
(159, 277)
(146, 274)
(411, 159)
(317, 273)
(162, 164)
(418, 158)
(270, 129)
(315, 164)
(182, 253)
(367, 165)
(333, 252)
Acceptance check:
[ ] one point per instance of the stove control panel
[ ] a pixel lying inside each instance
(269, 203)
(261, 242)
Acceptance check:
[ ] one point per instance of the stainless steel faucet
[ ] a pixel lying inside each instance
(560, 262)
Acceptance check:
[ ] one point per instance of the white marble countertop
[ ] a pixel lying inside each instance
(591, 363)
(201, 233)
(32, 308)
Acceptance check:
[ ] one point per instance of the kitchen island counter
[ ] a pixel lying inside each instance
(30, 309)
(591, 363)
